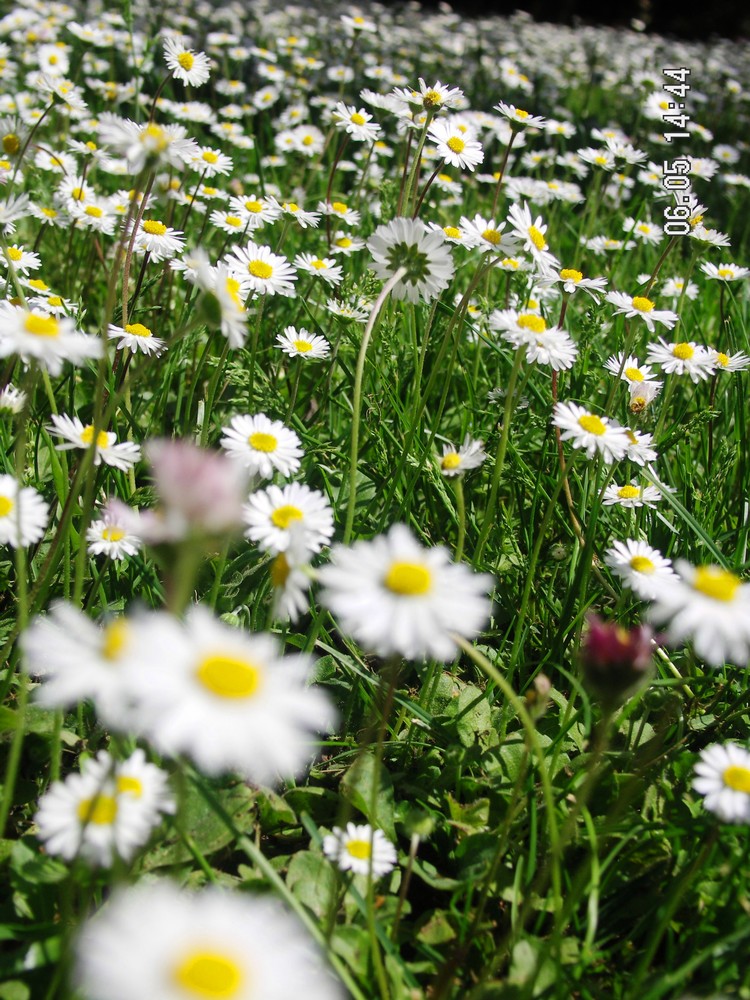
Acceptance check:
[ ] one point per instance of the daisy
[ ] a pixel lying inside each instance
(23, 514)
(531, 232)
(573, 281)
(301, 344)
(36, 335)
(324, 268)
(120, 456)
(724, 272)
(302, 217)
(631, 495)
(12, 400)
(162, 145)
(685, 358)
(268, 273)
(432, 98)
(160, 241)
(341, 211)
(630, 370)
(255, 211)
(396, 597)
(642, 394)
(262, 446)
(110, 537)
(291, 576)
(136, 337)
(592, 433)
(457, 461)
(519, 118)
(551, 347)
(455, 145)
(640, 306)
(357, 124)
(157, 940)
(227, 699)
(729, 362)
(96, 815)
(360, 849)
(722, 776)
(639, 448)
(640, 566)
(345, 244)
(21, 260)
(210, 162)
(645, 232)
(192, 68)
(709, 606)
(409, 244)
(270, 513)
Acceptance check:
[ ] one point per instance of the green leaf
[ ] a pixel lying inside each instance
(357, 788)
(473, 718)
(313, 881)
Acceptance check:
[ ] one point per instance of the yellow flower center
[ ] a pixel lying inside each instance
(50, 213)
(643, 228)
(101, 810)
(210, 192)
(530, 321)
(642, 564)
(431, 98)
(126, 785)
(228, 676)
(450, 461)
(186, 60)
(737, 778)
(520, 113)
(452, 232)
(233, 287)
(455, 144)
(282, 517)
(261, 441)
(137, 330)
(233, 220)
(722, 359)
(719, 584)
(94, 211)
(318, 264)
(510, 262)
(113, 534)
(725, 272)
(303, 346)
(536, 237)
(54, 301)
(683, 351)
(38, 284)
(87, 436)
(291, 206)
(114, 638)
(357, 118)
(41, 326)
(628, 492)
(633, 374)
(260, 269)
(642, 304)
(6, 506)
(360, 849)
(15, 254)
(209, 974)
(408, 579)
(280, 570)
(592, 424)
(91, 145)
(570, 274)
(492, 236)
(208, 156)
(340, 207)
(153, 227)
(344, 242)
(11, 144)
(78, 194)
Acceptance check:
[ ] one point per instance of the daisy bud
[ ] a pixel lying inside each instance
(616, 661)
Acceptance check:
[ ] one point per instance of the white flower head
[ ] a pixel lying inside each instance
(360, 849)
(722, 777)
(424, 254)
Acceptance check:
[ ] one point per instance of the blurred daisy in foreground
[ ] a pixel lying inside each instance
(44, 339)
(396, 597)
(722, 777)
(360, 849)
(592, 433)
(121, 456)
(710, 607)
(23, 514)
(457, 461)
(640, 566)
(159, 941)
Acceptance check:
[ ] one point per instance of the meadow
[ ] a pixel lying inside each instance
(374, 508)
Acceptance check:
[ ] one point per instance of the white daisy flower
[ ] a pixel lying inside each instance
(12, 399)
(531, 233)
(360, 849)
(425, 255)
(455, 145)
(97, 814)
(357, 124)
(210, 162)
(724, 272)
(136, 337)
(592, 433)
(262, 446)
(631, 495)
(685, 358)
(341, 211)
(159, 941)
(644, 232)
(301, 344)
(573, 281)
(457, 461)
(709, 607)
(158, 240)
(23, 514)
(270, 513)
(640, 566)
(519, 118)
(345, 244)
(192, 68)
(642, 394)
(121, 456)
(396, 597)
(227, 699)
(729, 362)
(639, 448)
(267, 273)
(20, 259)
(36, 335)
(324, 268)
(255, 210)
(722, 776)
(301, 216)
(674, 287)
(109, 536)
(630, 370)
(643, 308)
